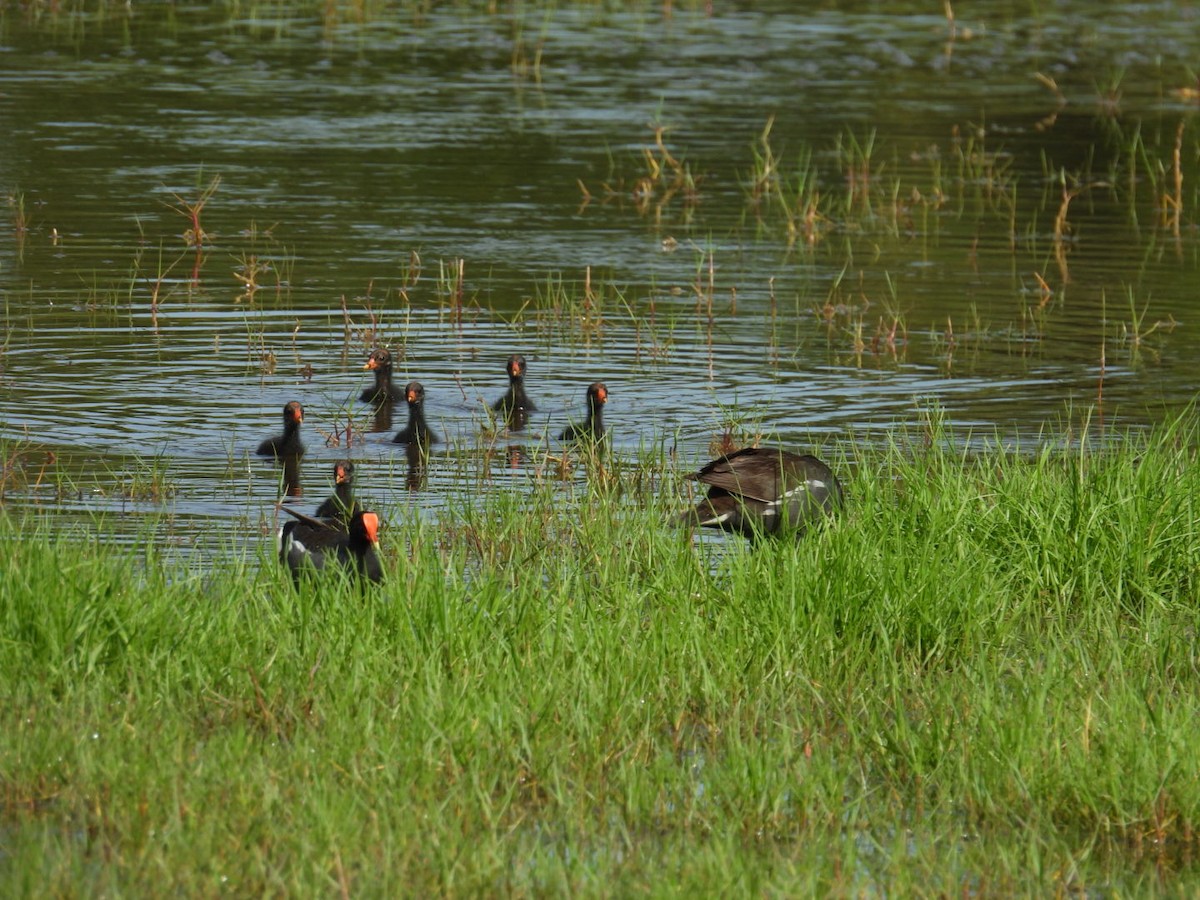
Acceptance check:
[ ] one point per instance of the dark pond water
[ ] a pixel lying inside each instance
(818, 222)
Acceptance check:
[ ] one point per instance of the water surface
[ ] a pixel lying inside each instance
(993, 233)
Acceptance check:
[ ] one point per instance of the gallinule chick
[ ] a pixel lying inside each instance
(417, 431)
(384, 390)
(288, 443)
(341, 506)
(319, 543)
(515, 397)
(592, 428)
(764, 490)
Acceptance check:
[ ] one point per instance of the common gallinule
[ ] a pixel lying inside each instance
(592, 428)
(764, 490)
(515, 399)
(317, 543)
(288, 443)
(417, 431)
(384, 390)
(341, 506)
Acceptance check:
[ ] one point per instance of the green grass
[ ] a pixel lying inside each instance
(981, 680)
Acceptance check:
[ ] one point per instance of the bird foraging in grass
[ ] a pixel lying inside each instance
(764, 490)
(310, 544)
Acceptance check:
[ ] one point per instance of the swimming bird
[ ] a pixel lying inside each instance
(417, 431)
(288, 443)
(308, 543)
(341, 506)
(764, 490)
(592, 428)
(384, 390)
(515, 402)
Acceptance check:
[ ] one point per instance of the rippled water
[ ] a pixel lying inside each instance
(361, 158)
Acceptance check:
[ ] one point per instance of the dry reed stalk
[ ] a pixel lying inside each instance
(1060, 231)
(1177, 169)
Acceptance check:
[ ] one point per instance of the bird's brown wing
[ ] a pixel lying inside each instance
(752, 472)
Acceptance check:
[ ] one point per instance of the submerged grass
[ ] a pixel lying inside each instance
(981, 679)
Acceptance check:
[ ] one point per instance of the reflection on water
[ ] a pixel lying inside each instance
(383, 418)
(207, 220)
(291, 477)
(416, 458)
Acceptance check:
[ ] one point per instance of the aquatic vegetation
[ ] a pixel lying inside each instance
(143, 480)
(665, 176)
(195, 236)
(451, 279)
(20, 215)
(23, 465)
(571, 309)
(1134, 332)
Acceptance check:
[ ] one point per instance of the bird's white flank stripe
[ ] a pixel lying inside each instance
(804, 488)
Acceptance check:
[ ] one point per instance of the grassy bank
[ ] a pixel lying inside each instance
(981, 680)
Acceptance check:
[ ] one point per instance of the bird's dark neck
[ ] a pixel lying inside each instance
(595, 419)
(416, 418)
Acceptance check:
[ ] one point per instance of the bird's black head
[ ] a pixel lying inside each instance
(379, 359)
(597, 394)
(364, 527)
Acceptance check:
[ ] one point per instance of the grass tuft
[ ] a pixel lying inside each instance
(981, 674)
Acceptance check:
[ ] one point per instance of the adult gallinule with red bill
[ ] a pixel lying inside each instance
(764, 490)
(288, 443)
(307, 543)
(592, 428)
(417, 431)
